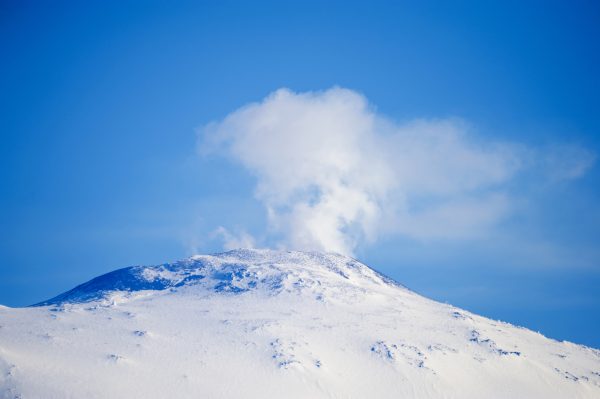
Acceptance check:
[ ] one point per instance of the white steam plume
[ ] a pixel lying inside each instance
(333, 173)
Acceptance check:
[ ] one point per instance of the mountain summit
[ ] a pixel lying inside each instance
(269, 324)
(242, 270)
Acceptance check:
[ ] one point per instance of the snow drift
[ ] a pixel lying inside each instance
(267, 324)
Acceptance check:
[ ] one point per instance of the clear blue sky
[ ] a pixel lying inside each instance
(100, 102)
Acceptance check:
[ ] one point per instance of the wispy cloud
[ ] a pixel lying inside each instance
(334, 173)
(566, 161)
(234, 240)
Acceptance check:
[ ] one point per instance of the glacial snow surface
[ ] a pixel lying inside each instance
(271, 324)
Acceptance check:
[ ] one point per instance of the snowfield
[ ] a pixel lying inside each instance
(271, 324)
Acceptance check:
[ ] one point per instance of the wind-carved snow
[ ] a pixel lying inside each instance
(489, 344)
(400, 352)
(266, 324)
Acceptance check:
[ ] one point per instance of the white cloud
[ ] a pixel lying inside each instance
(333, 173)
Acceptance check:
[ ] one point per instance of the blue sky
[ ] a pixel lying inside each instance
(102, 105)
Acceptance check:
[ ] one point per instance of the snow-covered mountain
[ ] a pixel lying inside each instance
(269, 324)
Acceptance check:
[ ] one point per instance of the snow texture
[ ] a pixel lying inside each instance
(270, 324)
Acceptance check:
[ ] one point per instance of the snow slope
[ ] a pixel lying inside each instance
(268, 324)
